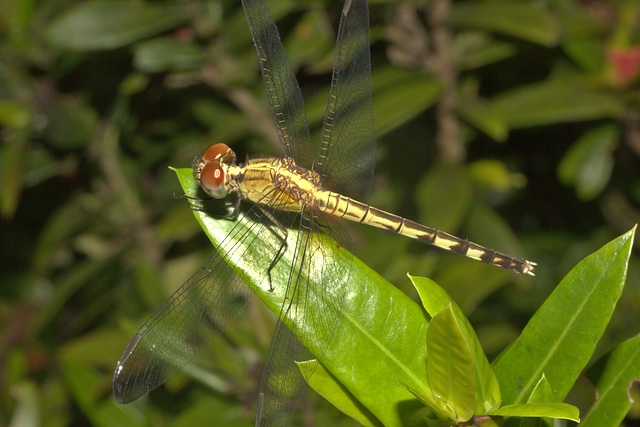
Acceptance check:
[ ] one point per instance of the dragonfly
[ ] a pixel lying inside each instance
(298, 199)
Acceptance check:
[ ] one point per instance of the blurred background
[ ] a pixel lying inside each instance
(513, 124)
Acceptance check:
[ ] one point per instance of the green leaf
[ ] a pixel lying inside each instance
(542, 392)
(495, 175)
(450, 366)
(200, 413)
(109, 24)
(582, 38)
(622, 368)
(328, 387)
(399, 96)
(381, 330)
(444, 196)
(560, 338)
(311, 40)
(14, 114)
(556, 100)
(431, 404)
(480, 115)
(551, 410)
(79, 361)
(13, 152)
(435, 299)
(167, 53)
(475, 49)
(517, 19)
(588, 163)
(73, 124)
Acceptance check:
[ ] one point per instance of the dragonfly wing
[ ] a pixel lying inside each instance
(188, 320)
(282, 383)
(309, 321)
(283, 92)
(346, 154)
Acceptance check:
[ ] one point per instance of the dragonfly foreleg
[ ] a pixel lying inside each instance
(283, 245)
(196, 199)
(232, 215)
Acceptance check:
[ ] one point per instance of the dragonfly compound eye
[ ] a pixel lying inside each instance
(212, 180)
(215, 151)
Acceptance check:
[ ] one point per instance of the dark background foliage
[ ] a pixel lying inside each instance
(515, 124)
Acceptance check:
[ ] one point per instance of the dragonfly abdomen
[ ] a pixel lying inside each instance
(344, 207)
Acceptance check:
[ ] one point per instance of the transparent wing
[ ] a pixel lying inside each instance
(283, 92)
(191, 318)
(346, 154)
(311, 313)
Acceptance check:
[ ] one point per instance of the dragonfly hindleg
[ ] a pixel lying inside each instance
(283, 245)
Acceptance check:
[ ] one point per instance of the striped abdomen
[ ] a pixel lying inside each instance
(344, 207)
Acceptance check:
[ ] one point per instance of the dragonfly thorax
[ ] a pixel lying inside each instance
(274, 181)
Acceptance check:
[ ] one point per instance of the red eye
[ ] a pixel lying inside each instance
(214, 151)
(212, 179)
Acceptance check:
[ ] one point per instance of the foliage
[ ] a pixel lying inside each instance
(515, 126)
(449, 373)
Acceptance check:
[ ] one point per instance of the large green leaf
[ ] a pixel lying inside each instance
(102, 24)
(558, 99)
(516, 19)
(561, 337)
(380, 341)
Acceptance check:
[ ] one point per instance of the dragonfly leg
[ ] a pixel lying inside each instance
(283, 245)
(196, 199)
(232, 215)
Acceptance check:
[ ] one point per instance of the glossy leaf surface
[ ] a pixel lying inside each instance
(384, 325)
(435, 299)
(451, 367)
(560, 338)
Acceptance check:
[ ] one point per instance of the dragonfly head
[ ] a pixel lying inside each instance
(208, 170)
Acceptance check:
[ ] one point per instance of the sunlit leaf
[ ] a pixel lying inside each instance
(561, 337)
(450, 366)
(435, 299)
(374, 317)
(550, 410)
